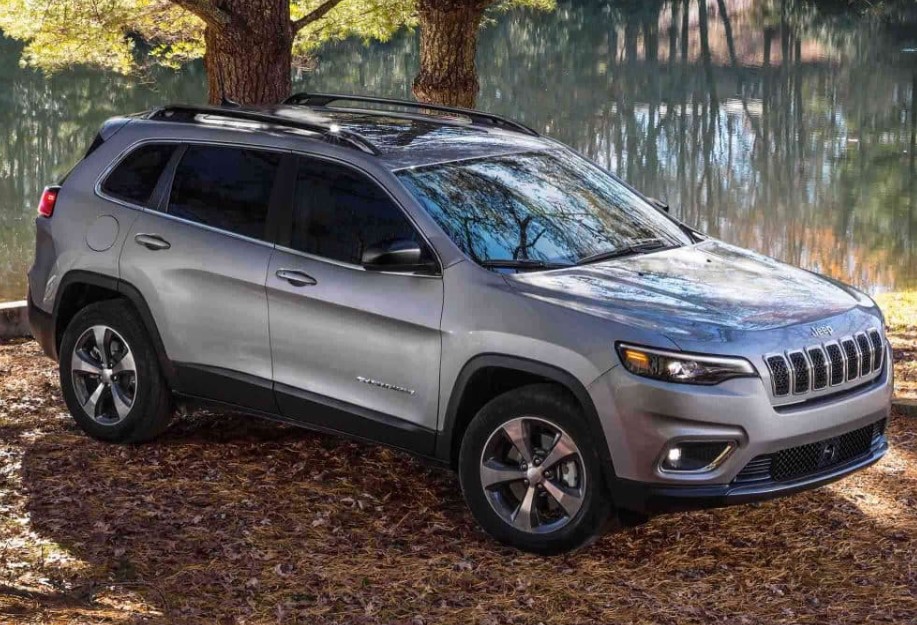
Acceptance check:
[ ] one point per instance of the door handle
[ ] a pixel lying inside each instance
(296, 278)
(152, 241)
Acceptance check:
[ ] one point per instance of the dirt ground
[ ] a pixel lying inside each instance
(228, 519)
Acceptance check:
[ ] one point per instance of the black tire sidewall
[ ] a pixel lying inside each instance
(553, 404)
(120, 317)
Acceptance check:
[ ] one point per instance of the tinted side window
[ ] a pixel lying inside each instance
(224, 187)
(339, 212)
(136, 176)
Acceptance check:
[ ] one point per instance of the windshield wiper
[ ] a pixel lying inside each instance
(521, 263)
(646, 245)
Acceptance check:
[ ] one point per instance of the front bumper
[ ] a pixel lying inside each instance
(641, 418)
(653, 498)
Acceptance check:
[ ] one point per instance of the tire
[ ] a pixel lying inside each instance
(127, 401)
(547, 417)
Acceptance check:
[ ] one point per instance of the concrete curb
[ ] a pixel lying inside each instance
(14, 320)
(905, 407)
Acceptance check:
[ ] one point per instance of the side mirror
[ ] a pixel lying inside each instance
(660, 204)
(403, 255)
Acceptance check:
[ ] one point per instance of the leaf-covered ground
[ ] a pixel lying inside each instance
(901, 318)
(228, 519)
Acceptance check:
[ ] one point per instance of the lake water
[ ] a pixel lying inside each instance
(785, 127)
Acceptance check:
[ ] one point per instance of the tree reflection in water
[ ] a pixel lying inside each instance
(780, 125)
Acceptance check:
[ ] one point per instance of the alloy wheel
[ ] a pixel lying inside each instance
(104, 375)
(533, 475)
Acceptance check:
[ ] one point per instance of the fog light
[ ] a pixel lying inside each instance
(696, 457)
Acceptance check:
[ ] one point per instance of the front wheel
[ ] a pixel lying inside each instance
(531, 474)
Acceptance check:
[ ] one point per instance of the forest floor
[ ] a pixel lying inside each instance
(228, 519)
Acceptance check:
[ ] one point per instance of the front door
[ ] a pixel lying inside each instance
(353, 350)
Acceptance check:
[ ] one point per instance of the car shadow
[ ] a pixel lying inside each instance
(228, 517)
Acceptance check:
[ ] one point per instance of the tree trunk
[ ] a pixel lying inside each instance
(248, 60)
(448, 42)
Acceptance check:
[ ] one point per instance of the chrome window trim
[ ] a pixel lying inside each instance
(195, 141)
(179, 142)
(213, 229)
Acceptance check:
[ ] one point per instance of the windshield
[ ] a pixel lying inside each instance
(553, 207)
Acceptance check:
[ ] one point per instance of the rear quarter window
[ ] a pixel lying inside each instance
(135, 177)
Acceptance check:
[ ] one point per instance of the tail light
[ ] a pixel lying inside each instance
(48, 200)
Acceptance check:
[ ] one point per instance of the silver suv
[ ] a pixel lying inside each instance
(450, 283)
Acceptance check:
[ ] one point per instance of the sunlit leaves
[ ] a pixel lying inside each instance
(111, 33)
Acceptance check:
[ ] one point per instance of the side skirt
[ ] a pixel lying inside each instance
(338, 416)
(287, 404)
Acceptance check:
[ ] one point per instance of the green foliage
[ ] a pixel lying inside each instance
(105, 33)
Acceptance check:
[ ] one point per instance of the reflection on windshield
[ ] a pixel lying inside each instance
(553, 207)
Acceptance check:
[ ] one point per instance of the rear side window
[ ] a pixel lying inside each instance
(225, 187)
(339, 212)
(135, 177)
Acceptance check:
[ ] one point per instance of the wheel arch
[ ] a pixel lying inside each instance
(475, 386)
(79, 288)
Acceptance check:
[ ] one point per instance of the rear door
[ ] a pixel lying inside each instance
(354, 350)
(200, 259)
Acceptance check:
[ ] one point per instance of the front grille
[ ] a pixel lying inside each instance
(853, 358)
(837, 363)
(865, 353)
(800, 372)
(818, 366)
(814, 458)
(780, 374)
(878, 352)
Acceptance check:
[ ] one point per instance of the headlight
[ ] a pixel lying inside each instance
(681, 367)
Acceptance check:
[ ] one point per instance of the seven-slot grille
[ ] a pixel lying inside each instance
(830, 364)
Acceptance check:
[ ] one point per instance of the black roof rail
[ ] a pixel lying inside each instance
(331, 133)
(324, 99)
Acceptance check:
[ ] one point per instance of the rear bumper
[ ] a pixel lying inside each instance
(648, 498)
(42, 326)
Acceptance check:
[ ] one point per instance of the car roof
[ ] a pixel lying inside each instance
(400, 139)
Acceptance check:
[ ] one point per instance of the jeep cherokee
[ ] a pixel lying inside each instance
(450, 283)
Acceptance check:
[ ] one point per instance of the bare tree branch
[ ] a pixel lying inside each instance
(207, 11)
(316, 14)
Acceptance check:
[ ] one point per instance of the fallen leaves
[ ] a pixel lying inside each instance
(228, 519)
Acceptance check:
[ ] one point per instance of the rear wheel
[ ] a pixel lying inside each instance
(110, 375)
(530, 472)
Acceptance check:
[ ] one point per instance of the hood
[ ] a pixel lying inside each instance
(710, 291)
